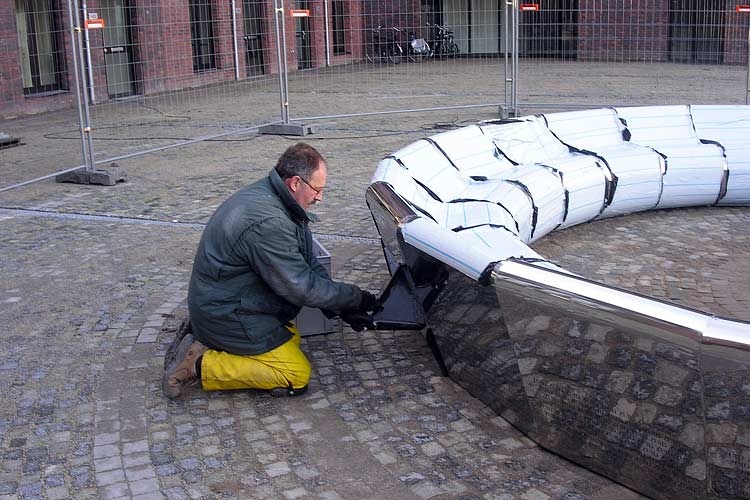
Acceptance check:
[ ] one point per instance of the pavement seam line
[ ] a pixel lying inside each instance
(25, 212)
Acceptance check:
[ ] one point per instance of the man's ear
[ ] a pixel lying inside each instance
(292, 184)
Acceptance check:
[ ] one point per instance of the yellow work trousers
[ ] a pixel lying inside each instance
(284, 366)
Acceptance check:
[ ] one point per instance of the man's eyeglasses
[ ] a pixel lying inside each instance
(317, 190)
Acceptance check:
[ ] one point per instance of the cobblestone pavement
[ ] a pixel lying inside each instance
(127, 126)
(94, 282)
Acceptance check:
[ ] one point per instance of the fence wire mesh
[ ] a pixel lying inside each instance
(166, 71)
(390, 56)
(638, 52)
(159, 73)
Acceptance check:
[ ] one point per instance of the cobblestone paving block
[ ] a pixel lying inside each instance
(88, 308)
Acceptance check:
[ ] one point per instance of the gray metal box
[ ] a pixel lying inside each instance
(311, 321)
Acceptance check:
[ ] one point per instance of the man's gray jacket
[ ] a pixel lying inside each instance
(255, 268)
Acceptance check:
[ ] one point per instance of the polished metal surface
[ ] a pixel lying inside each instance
(653, 395)
(389, 212)
(478, 353)
(629, 386)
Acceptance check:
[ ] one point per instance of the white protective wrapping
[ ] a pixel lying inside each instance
(431, 169)
(484, 191)
(451, 247)
(694, 171)
(473, 153)
(638, 169)
(528, 143)
(451, 216)
(729, 126)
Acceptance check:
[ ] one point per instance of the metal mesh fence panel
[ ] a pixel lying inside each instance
(176, 70)
(154, 73)
(379, 56)
(596, 52)
(161, 73)
(36, 76)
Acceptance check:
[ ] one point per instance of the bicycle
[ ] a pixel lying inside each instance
(383, 47)
(444, 42)
(417, 50)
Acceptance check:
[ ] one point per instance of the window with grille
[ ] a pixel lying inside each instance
(339, 40)
(696, 31)
(202, 35)
(40, 45)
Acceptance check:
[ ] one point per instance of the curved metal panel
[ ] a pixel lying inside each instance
(648, 393)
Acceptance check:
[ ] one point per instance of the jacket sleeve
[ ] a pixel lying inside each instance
(272, 250)
(318, 268)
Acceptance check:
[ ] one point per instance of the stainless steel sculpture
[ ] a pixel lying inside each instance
(653, 395)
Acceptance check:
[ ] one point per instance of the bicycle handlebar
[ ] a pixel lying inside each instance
(440, 28)
(379, 28)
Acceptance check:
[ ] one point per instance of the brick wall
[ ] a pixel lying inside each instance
(736, 33)
(635, 30)
(609, 30)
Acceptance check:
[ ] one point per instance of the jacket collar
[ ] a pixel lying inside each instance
(286, 197)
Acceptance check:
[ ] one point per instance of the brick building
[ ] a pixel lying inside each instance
(149, 46)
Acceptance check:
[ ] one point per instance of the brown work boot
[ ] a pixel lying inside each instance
(181, 370)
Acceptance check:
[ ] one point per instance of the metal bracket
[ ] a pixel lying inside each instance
(401, 309)
(400, 306)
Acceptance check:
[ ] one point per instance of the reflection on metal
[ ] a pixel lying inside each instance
(627, 386)
(653, 395)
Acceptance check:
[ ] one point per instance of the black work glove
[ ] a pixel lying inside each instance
(369, 301)
(357, 319)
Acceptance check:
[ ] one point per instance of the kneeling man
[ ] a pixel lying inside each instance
(253, 271)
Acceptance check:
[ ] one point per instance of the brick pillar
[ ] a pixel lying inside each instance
(736, 25)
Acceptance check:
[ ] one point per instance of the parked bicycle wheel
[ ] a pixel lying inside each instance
(394, 54)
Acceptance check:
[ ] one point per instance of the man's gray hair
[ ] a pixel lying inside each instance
(300, 159)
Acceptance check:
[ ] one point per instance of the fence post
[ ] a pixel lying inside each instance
(88, 174)
(285, 127)
(515, 49)
(74, 53)
(747, 78)
(328, 33)
(84, 79)
(235, 48)
(506, 43)
(87, 44)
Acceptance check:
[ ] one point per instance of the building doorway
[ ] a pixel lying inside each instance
(478, 25)
(551, 31)
(118, 48)
(696, 31)
(304, 37)
(253, 37)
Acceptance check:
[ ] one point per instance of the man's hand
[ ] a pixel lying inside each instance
(357, 319)
(369, 301)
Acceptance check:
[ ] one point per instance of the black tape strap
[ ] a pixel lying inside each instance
(432, 141)
(534, 208)
(458, 229)
(428, 190)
